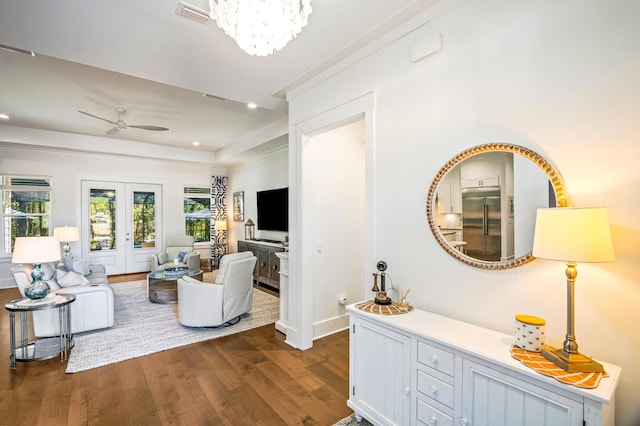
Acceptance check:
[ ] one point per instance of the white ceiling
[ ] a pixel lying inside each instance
(141, 55)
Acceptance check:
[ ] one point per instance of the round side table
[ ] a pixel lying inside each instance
(43, 348)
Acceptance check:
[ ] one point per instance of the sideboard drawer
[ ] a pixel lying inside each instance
(435, 389)
(429, 415)
(435, 358)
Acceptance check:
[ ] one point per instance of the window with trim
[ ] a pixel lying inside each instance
(197, 212)
(26, 206)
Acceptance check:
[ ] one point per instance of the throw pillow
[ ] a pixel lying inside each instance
(73, 264)
(70, 278)
(53, 284)
(181, 255)
(163, 258)
(48, 270)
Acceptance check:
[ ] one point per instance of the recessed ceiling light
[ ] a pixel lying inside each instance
(195, 143)
(251, 105)
(4, 116)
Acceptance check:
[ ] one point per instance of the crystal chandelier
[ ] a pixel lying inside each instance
(261, 27)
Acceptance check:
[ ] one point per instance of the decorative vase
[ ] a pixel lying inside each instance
(38, 289)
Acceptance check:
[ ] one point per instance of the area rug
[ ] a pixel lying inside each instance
(351, 421)
(142, 328)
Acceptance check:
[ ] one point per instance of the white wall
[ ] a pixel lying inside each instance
(67, 169)
(557, 77)
(267, 171)
(334, 204)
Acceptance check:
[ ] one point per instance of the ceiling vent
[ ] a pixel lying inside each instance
(194, 13)
(209, 95)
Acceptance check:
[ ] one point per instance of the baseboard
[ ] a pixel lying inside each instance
(7, 283)
(330, 326)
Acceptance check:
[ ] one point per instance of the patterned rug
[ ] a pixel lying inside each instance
(351, 421)
(142, 328)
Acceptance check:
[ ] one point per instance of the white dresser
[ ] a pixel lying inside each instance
(424, 369)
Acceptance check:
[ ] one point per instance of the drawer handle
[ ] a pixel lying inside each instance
(433, 420)
(263, 264)
(434, 358)
(274, 267)
(406, 391)
(433, 389)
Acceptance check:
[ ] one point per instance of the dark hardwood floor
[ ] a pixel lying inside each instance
(249, 378)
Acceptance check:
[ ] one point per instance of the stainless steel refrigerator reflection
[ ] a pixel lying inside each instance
(481, 222)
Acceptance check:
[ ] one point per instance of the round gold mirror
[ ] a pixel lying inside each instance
(482, 204)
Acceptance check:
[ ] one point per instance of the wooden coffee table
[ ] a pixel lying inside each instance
(163, 288)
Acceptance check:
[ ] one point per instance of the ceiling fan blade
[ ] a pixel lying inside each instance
(112, 130)
(95, 116)
(156, 128)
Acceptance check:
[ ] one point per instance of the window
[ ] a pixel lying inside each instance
(26, 206)
(197, 212)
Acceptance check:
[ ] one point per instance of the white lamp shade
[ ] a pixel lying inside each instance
(221, 225)
(36, 250)
(573, 234)
(66, 233)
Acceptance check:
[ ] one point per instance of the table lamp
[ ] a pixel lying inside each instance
(220, 225)
(36, 250)
(66, 234)
(572, 235)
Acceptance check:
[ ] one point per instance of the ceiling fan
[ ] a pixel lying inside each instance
(121, 125)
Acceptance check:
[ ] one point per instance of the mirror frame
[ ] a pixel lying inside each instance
(552, 174)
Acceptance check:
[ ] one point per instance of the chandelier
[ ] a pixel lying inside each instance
(261, 27)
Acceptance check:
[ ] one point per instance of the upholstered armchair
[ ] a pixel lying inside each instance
(178, 247)
(222, 303)
(93, 308)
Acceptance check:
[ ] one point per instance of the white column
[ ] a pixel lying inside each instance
(283, 323)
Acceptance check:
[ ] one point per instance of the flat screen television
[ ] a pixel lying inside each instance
(273, 210)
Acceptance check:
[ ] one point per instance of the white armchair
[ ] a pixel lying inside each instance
(222, 303)
(176, 245)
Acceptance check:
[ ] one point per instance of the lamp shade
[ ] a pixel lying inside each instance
(66, 233)
(36, 250)
(572, 234)
(220, 225)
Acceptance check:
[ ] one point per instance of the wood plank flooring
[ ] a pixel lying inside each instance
(249, 378)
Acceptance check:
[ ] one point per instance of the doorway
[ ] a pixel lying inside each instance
(121, 224)
(310, 299)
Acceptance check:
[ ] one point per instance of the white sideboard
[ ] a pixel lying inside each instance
(420, 368)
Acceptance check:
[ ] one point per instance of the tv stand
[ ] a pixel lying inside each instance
(267, 269)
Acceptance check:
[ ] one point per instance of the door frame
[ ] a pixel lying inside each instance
(125, 258)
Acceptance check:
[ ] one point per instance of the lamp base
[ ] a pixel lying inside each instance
(572, 362)
(37, 290)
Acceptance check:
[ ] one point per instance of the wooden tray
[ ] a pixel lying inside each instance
(393, 309)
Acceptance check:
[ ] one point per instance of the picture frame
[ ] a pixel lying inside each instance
(238, 206)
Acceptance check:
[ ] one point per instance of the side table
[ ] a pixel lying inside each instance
(45, 348)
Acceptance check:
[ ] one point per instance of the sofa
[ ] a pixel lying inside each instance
(93, 308)
(178, 247)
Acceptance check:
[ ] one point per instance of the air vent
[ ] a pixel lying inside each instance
(194, 13)
(209, 95)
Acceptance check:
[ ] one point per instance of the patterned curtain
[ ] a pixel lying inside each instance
(218, 212)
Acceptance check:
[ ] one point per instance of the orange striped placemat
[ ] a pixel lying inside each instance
(374, 308)
(536, 361)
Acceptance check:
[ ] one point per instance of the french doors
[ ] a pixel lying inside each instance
(121, 224)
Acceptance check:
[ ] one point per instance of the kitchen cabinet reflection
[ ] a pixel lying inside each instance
(482, 204)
